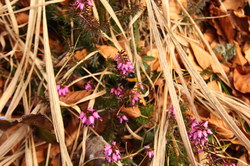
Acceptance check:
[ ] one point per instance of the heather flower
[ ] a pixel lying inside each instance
(135, 98)
(122, 118)
(171, 111)
(149, 152)
(62, 91)
(228, 164)
(112, 153)
(199, 132)
(116, 91)
(89, 117)
(124, 65)
(141, 86)
(88, 86)
(80, 4)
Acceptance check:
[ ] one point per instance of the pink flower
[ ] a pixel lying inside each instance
(122, 118)
(89, 117)
(62, 91)
(88, 86)
(228, 164)
(112, 153)
(116, 91)
(135, 98)
(171, 111)
(123, 65)
(80, 4)
(199, 132)
(149, 151)
(141, 86)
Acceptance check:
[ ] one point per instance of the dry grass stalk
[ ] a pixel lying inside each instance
(54, 100)
(19, 85)
(167, 76)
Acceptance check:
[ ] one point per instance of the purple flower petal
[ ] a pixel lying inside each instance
(91, 109)
(91, 120)
(84, 119)
(124, 117)
(150, 154)
(96, 115)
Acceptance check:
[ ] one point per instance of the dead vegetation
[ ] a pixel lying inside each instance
(193, 55)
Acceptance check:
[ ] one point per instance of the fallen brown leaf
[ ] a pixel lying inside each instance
(6, 124)
(107, 51)
(233, 4)
(73, 97)
(24, 3)
(79, 55)
(65, 2)
(155, 64)
(241, 96)
(9, 131)
(214, 86)
(205, 60)
(133, 112)
(241, 21)
(237, 142)
(210, 35)
(72, 130)
(175, 9)
(22, 18)
(56, 45)
(81, 83)
(194, 64)
(244, 159)
(222, 129)
(239, 58)
(203, 57)
(246, 50)
(216, 69)
(37, 120)
(18, 53)
(241, 82)
(223, 26)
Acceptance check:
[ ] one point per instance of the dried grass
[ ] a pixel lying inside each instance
(18, 88)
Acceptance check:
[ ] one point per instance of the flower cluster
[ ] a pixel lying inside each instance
(199, 132)
(122, 118)
(61, 91)
(80, 4)
(116, 91)
(171, 111)
(112, 153)
(88, 86)
(149, 152)
(124, 65)
(135, 98)
(89, 117)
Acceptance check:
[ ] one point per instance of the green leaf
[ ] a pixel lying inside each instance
(147, 58)
(45, 135)
(146, 66)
